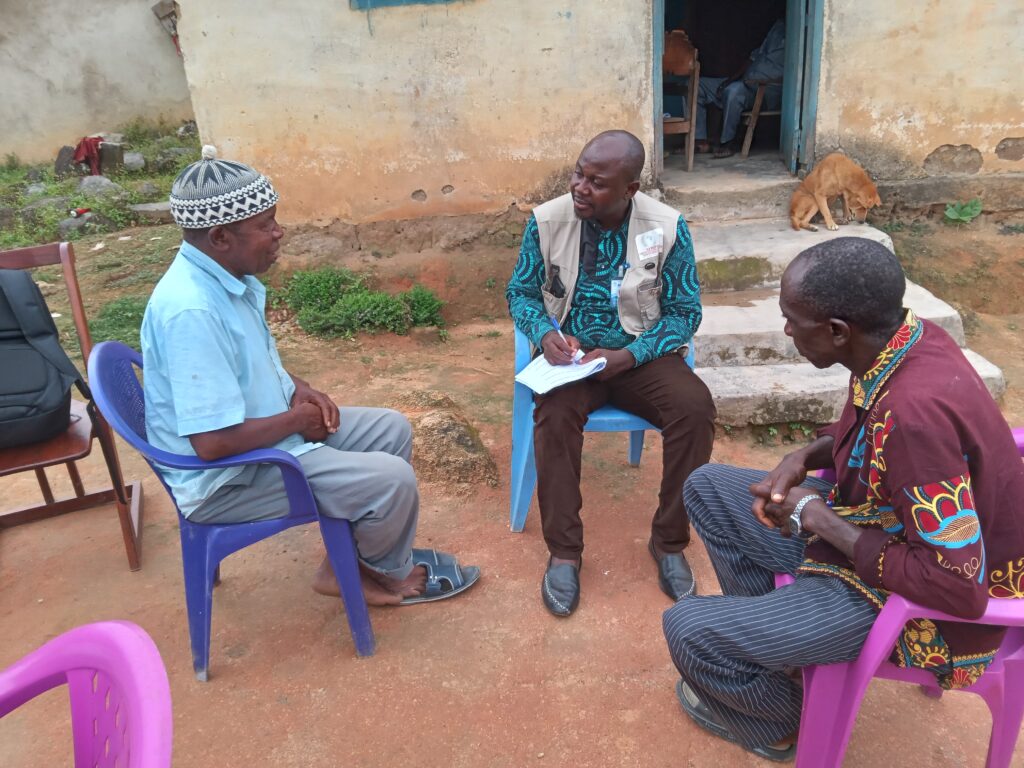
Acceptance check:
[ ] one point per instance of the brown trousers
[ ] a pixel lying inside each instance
(666, 393)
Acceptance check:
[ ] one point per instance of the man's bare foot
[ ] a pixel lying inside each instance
(374, 592)
(412, 585)
(702, 147)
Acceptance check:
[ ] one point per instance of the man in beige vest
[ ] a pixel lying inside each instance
(615, 269)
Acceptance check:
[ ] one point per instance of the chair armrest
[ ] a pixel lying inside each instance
(300, 496)
(1018, 437)
(524, 350)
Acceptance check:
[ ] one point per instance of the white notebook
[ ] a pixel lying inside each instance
(542, 377)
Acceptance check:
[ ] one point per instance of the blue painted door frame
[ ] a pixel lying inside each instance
(804, 26)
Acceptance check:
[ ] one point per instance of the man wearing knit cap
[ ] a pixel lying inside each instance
(215, 386)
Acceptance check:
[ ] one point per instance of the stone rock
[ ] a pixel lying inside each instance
(134, 161)
(73, 224)
(7, 218)
(188, 128)
(35, 189)
(99, 186)
(65, 162)
(157, 213)
(30, 213)
(148, 189)
(449, 450)
(111, 157)
(86, 223)
(34, 174)
(168, 159)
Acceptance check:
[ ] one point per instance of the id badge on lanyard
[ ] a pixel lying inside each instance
(616, 286)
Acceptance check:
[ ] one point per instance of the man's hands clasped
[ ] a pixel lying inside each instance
(316, 414)
(778, 493)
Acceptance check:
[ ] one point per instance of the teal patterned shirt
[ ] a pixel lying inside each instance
(592, 319)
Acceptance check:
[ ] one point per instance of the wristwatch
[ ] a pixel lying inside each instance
(794, 519)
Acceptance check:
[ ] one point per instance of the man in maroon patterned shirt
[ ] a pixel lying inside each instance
(928, 503)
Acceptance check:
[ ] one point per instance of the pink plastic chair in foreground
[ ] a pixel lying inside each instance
(120, 699)
(833, 692)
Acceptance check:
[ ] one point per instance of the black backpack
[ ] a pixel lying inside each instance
(35, 372)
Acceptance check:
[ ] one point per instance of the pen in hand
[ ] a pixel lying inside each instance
(558, 330)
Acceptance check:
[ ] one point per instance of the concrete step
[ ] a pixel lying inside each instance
(737, 255)
(757, 187)
(746, 327)
(788, 392)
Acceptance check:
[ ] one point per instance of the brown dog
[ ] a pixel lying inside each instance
(835, 176)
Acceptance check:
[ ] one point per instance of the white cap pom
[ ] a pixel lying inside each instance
(209, 152)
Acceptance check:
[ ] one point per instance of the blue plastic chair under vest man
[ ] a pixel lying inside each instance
(119, 396)
(608, 418)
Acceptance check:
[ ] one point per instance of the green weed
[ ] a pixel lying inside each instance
(424, 306)
(963, 213)
(358, 311)
(120, 320)
(316, 291)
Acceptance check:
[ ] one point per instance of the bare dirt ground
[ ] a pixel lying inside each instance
(487, 679)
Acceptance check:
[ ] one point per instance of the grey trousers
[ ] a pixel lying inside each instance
(735, 649)
(362, 474)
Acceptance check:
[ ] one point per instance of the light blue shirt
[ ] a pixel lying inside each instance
(210, 363)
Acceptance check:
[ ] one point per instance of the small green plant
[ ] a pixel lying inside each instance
(119, 320)
(489, 283)
(358, 311)
(963, 213)
(1011, 229)
(11, 162)
(443, 335)
(316, 291)
(424, 306)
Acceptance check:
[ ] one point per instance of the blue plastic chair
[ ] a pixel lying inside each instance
(608, 418)
(119, 396)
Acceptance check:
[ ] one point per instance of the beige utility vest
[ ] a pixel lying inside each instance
(651, 235)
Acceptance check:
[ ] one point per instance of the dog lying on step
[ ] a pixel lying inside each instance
(835, 176)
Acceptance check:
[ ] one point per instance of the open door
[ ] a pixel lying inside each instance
(804, 22)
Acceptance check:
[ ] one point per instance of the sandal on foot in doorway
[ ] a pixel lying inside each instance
(706, 719)
(445, 577)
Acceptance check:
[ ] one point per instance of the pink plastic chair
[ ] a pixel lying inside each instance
(120, 699)
(833, 692)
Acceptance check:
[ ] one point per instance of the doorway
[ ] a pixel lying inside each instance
(725, 32)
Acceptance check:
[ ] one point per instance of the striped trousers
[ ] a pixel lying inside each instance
(735, 649)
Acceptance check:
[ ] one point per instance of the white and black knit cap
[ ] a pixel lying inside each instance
(212, 192)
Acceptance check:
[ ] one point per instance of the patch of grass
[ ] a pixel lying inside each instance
(358, 311)
(11, 162)
(1011, 229)
(318, 290)
(120, 320)
(424, 306)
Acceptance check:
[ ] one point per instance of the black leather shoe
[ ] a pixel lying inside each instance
(561, 588)
(674, 575)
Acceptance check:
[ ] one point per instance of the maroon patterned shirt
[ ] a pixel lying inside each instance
(928, 469)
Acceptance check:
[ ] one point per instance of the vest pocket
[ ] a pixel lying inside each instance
(648, 298)
(554, 305)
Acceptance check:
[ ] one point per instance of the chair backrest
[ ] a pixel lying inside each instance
(119, 694)
(680, 55)
(48, 255)
(118, 392)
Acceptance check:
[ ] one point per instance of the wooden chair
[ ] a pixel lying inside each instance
(680, 59)
(751, 117)
(76, 442)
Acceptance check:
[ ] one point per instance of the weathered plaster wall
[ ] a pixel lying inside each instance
(416, 110)
(904, 86)
(69, 69)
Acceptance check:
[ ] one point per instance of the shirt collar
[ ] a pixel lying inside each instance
(200, 260)
(866, 389)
